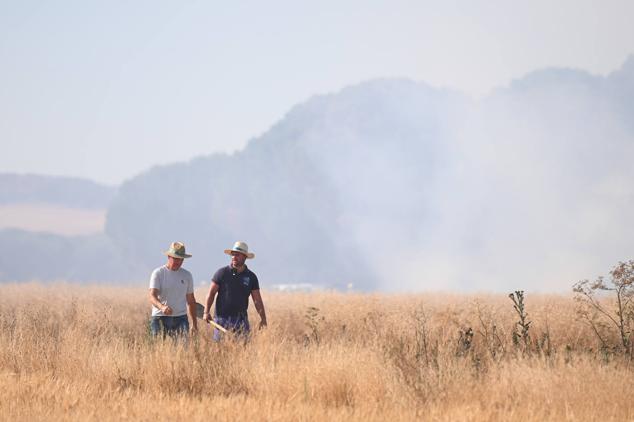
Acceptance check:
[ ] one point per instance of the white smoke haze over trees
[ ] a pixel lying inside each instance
(396, 185)
(390, 185)
(538, 191)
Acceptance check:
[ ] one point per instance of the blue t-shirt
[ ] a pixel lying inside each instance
(234, 290)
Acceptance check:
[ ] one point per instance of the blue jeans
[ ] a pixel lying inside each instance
(168, 325)
(238, 324)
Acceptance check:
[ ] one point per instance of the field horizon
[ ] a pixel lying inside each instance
(77, 352)
(52, 218)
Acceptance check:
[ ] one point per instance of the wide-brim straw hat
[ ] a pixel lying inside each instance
(242, 248)
(177, 250)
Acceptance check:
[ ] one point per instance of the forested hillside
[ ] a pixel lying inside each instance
(394, 184)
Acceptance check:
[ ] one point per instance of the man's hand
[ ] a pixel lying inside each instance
(154, 300)
(206, 317)
(259, 306)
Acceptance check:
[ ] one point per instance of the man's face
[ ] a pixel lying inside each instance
(237, 259)
(174, 263)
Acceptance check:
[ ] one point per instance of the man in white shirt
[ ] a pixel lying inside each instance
(172, 295)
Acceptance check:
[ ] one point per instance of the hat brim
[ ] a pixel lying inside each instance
(249, 255)
(173, 255)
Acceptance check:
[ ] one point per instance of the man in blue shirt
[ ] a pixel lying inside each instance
(234, 284)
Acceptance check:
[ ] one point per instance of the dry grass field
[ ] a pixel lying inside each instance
(83, 353)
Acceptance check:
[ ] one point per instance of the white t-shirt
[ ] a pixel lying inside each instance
(172, 287)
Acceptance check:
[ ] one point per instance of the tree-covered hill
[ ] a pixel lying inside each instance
(396, 185)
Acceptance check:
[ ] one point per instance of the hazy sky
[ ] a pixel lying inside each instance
(105, 90)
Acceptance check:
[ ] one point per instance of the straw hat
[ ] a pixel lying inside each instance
(241, 247)
(177, 250)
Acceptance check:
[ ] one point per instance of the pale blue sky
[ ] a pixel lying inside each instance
(105, 90)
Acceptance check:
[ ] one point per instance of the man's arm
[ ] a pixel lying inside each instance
(191, 309)
(213, 289)
(154, 300)
(259, 306)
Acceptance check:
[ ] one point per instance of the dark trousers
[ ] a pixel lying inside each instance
(238, 324)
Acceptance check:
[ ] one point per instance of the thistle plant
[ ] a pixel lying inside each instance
(520, 332)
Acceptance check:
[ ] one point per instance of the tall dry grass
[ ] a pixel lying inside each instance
(76, 353)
